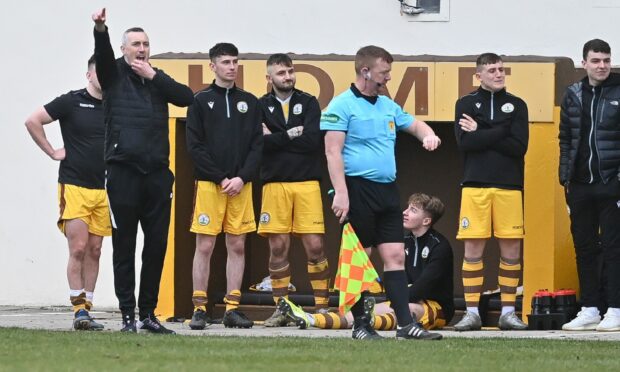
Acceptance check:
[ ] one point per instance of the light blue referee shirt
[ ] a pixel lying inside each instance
(371, 133)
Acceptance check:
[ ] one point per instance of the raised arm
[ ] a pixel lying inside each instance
(104, 55)
(425, 134)
(176, 93)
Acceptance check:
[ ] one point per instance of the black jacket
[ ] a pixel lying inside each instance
(428, 263)
(135, 110)
(493, 154)
(224, 134)
(604, 107)
(299, 159)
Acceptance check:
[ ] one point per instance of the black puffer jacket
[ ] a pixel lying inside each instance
(135, 110)
(605, 129)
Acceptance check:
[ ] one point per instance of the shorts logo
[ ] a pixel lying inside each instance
(465, 223)
(203, 220)
(264, 218)
(330, 118)
(508, 108)
(297, 109)
(425, 252)
(242, 106)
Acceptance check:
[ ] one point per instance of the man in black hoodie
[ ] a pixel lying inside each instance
(589, 171)
(138, 181)
(225, 141)
(290, 171)
(492, 133)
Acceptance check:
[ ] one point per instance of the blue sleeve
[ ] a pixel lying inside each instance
(402, 118)
(336, 116)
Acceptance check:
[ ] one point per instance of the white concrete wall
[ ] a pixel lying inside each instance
(46, 44)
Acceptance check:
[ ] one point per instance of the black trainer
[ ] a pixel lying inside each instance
(362, 330)
(151, 324)
(94, 326)
(236, 319)
(415, 332)
(199, 320)
(81, 320)
(129, 323)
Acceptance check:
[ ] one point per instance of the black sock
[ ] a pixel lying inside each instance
(395, 283)
(358, 308)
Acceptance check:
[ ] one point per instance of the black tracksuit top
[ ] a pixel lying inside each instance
(428, 263)
(494, 153)
(224, 134)
(292, 160)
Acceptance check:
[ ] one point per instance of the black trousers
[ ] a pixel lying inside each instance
(145, 198)
(595, 226)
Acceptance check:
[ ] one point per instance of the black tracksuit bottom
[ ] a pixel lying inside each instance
(595, 226)
(145, 198)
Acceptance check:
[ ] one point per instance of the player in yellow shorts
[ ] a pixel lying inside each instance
(84, 214)
(492, 133)
(428, 264)
(290, 171)
(224, 138)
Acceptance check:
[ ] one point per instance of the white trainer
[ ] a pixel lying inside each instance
(611, 322)
(583, 322)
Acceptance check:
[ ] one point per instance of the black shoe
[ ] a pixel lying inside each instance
(129, 323)
(94, 326)
(81, 320)
(236, 319)
(199, 320)
(152, 325)
(362, 330)
(415, 332)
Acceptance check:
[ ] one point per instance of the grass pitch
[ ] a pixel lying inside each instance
(28, 350)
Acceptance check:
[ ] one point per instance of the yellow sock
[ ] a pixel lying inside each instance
(508, 279)
(280, 278)
(319, 280)
(199, 299)
(232, 299)
(385, 322)
(78, 302)
(330, 321)
(473, 277)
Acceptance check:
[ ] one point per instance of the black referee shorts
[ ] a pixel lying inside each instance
(374, 211)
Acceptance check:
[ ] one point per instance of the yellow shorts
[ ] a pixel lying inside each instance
(291, 207)
(88, 205)
(433, 317)
(215, 211)
(483, 207)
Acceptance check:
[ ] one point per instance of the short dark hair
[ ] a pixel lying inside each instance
(366, 57)
(596, 46)
(431, 205)
(132, 29)
(91, 61)
(279, 59)
(487, 59)
(223, 49)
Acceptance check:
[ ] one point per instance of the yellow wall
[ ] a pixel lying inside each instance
(548, 253)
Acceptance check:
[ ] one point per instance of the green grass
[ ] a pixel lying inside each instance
(28, 350)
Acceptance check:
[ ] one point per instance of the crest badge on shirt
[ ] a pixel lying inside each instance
(297, 109)
(242, 106)
(425, 252)
(391, 126)
(508, 108)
